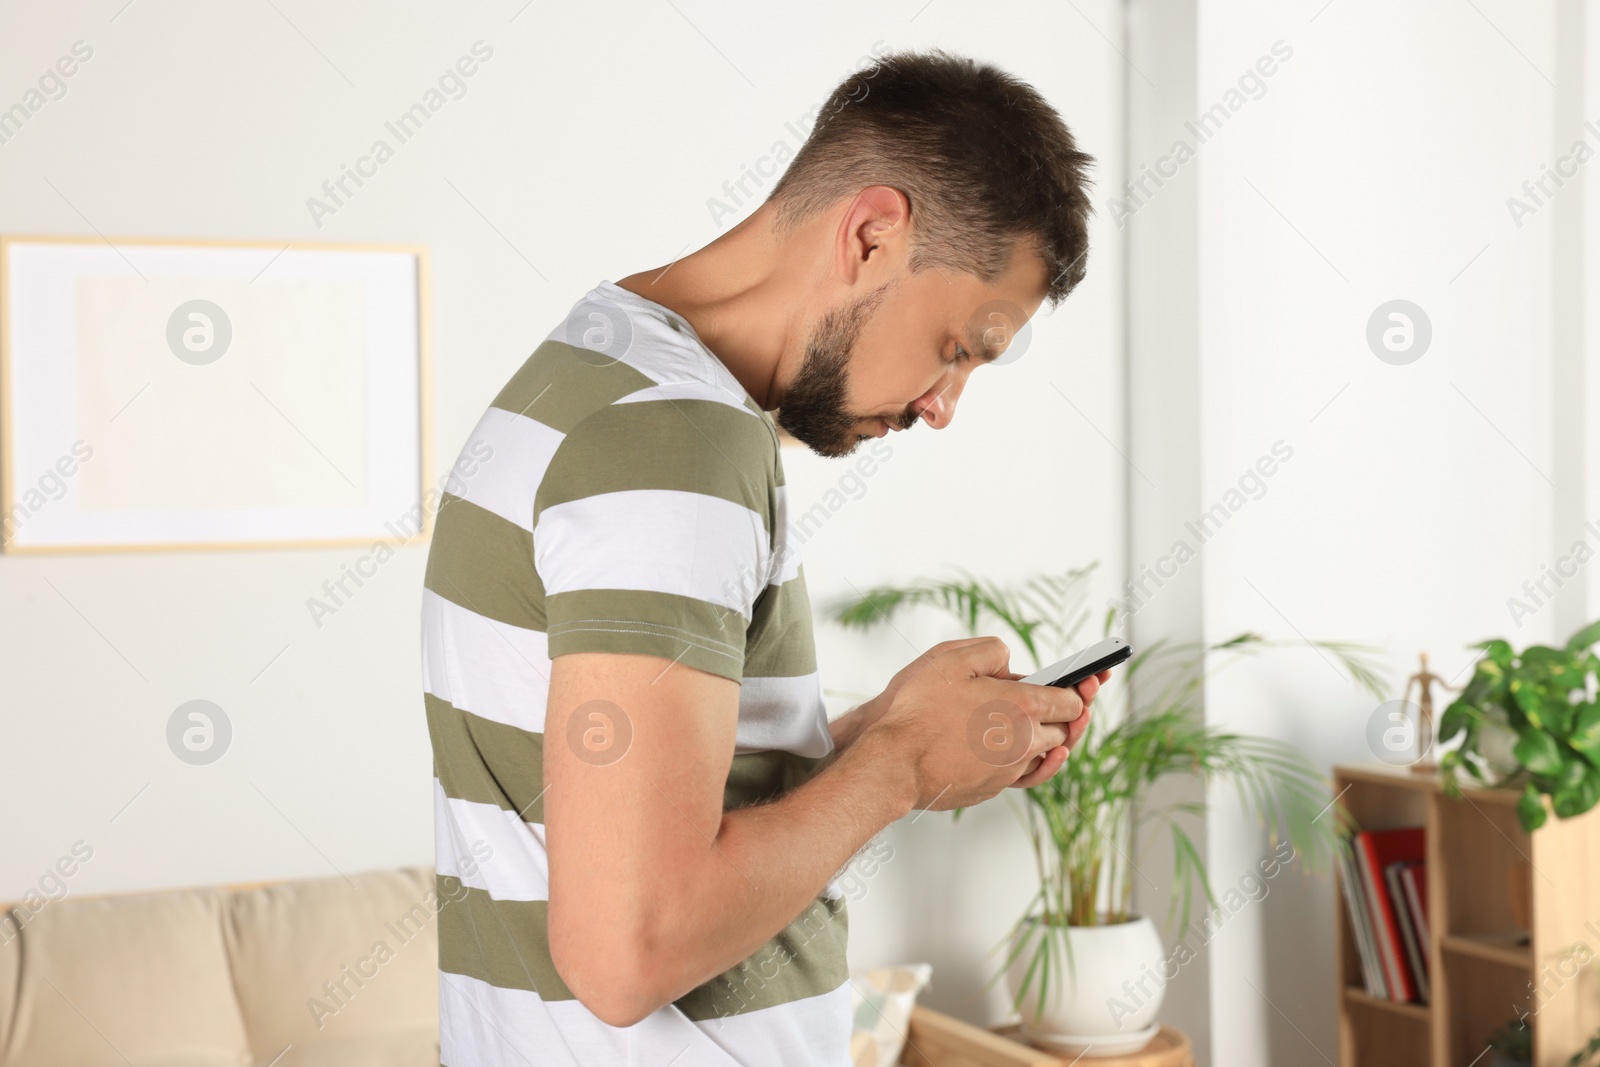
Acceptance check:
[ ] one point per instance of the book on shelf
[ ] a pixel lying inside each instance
(1376, 851)
(1360, 923)
(1415, 881)
(1416, 949)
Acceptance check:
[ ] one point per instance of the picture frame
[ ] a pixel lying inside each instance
(162, 394)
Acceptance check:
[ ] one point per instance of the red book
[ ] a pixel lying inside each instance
(1376, 849)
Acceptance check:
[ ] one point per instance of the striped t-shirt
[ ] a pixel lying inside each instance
(623, 493)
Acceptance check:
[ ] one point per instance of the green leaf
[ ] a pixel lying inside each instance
(1454, 720)
(1543, 655)
(1580, 798)
(1530, 808)
(1570, 777)
(1488, 672)
(1497, 652)
(1585, 735)
(1538, 751)
(1584, 637)
(1530, 700)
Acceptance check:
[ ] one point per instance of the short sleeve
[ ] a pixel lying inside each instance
(652, 531)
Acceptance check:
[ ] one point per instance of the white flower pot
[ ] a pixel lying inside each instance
(1496, 739)
(1104, 1002)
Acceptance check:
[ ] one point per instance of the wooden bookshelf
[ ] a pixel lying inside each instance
(1483, 968)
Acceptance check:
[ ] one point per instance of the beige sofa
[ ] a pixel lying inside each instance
(292, 974)
(314, 973)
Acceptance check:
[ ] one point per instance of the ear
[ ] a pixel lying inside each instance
(873, 235)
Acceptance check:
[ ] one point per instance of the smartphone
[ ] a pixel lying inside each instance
(1080, 665)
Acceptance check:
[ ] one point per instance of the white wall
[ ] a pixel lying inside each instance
(1376, 166)
(587, 147)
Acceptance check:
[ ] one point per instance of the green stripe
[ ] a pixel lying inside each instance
(559, 385)
(503, 942)
(692, 446)
(781, 642)
(682, 629)
(756, 777)
(506, 943)
(777, 445)
(484, 563)
(806, 959)
(486, 762)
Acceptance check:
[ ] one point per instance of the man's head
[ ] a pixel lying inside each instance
(950, 202)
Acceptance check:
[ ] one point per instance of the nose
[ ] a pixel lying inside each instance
(937, 406)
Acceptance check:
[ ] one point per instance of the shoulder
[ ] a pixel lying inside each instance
(615, 346)
(667, 438)
(643, 404)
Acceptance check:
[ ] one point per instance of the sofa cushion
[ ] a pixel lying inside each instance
(11, 920)
(416, 1049)
(140, 978)
(328, 967)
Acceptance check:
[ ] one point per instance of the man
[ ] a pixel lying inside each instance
(641, 803)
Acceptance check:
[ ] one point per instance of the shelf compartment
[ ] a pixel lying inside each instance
(1381, 1033)
(1484, 993)
(1417, 1012)
(1510, 947)
(1481, 848)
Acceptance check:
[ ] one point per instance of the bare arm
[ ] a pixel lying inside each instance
(654, 889)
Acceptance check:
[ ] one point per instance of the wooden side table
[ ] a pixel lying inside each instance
(1169, 1048)
(937, 1040)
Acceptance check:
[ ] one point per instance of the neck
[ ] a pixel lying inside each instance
(746, 294)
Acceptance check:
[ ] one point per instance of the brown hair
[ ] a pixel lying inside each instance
(981, 156)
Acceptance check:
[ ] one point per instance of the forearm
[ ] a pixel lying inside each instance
(847, 727)
(765, 865)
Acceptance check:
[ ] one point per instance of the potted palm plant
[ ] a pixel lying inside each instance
(1085, 970)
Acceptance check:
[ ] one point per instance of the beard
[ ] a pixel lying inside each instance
(812, 409)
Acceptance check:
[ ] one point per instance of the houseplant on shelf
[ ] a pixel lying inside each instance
(1080, 946)
(1511, 1045)
(1540, 703)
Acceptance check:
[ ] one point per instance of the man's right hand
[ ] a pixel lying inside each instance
(963, 728)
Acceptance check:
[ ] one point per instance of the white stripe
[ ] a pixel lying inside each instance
(659, 540)
(815, 1030)
(786, 558)
(481, 1025)
(500, 672)
(691, 390)
(656, 349)
(635, 334)
(786, 713)
(500, 466)
(489, 848)
(492, 669)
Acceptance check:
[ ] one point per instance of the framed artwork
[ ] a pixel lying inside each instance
(210, 394)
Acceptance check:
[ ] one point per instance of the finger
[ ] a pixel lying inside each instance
(1088, 688)
(1078, 727)
(1060, 705)
(1048, 735)
(1045, 767)
(1043, 703)
(954, 649)
(981, 656)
